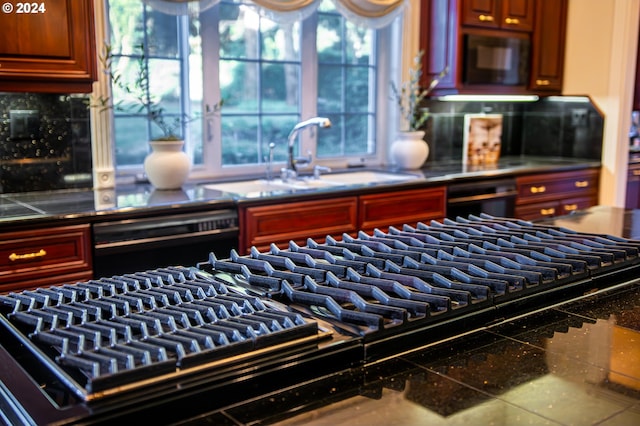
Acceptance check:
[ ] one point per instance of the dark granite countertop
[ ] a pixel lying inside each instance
(142, 199)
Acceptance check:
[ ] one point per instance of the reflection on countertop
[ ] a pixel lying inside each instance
(125, 197)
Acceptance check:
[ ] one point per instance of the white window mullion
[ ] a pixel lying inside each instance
(309, 83)
(211, 132)
(185, 98)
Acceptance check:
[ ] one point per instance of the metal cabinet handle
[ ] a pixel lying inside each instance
(636, 172)
(543, 82)
(485, 18)
(14, 256)
(547, 212)
(538, 189)
(581, 183)
(511, 21)
(570, 207)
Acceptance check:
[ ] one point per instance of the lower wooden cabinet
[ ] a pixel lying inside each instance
(556, 194)
(262, 225)
(296, 221)
(397, 208)
(44, 257)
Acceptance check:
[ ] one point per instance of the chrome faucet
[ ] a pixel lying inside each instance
(291, 170)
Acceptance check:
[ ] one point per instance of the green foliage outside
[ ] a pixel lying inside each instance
(260, 74)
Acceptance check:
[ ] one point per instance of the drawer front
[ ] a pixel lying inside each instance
(633, 174)
(554, 208)
(398, 208)
(42, 254)
(297, 221)
(571, 205)
(538, 210)
(537, 188)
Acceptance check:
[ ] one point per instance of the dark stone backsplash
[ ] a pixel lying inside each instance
(45, 139)
(45, 142)
(546, 128)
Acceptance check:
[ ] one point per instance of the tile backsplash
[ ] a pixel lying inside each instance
(45, 142)
(45, 139)
(550, 127)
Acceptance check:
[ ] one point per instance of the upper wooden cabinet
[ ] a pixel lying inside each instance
(517, 15)
(447, 24)
(48, 47)
(547, 59)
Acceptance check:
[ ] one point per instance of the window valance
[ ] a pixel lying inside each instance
(369, 13)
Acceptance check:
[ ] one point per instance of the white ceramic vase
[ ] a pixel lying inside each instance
(167, 166)
(409, 151)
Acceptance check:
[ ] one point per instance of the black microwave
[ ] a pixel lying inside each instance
(493, 60)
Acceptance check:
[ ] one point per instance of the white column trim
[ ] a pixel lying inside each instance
(104, 174)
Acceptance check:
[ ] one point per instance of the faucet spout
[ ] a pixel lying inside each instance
(315, 121)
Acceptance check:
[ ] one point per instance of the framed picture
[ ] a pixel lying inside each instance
(482, 139)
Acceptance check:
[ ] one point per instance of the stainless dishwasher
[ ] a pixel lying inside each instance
(185, 239)
(496, 197)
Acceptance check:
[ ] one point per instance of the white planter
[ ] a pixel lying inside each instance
(409, 151)
(167, 166)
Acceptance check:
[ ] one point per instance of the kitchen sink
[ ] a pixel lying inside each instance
(256, 187)
(262, 186)
(367, 176)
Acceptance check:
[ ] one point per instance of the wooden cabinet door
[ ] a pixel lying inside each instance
(549, 35)
(518, 15)
(262, 225)
(481, 13)
(48, 47)
(400, 207)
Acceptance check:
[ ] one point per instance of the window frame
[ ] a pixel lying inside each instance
(106, 172)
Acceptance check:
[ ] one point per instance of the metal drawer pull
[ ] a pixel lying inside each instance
(547, 212)
(582, 184)
(538, 189)
(571, 207)
(636, 172)
(543, 82)
(514, 21)
(13, 256)
(485, 18)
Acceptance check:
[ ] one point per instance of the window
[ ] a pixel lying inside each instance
(270, 75)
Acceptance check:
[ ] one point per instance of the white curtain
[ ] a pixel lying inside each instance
(370, 13)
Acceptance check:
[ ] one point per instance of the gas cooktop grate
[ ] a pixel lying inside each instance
(414, 276)
(116, 331)
(371, 293)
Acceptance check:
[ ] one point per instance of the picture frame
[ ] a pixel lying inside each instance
(482, 139)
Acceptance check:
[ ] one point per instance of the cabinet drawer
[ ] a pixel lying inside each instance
(554, 208)
(296, 221)
(398, 208)
(571, 205)
(633, 173)
(44, 257)
(538, 188)
(538, 210)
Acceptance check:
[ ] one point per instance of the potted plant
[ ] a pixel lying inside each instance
(409, 150)
(167, 166)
